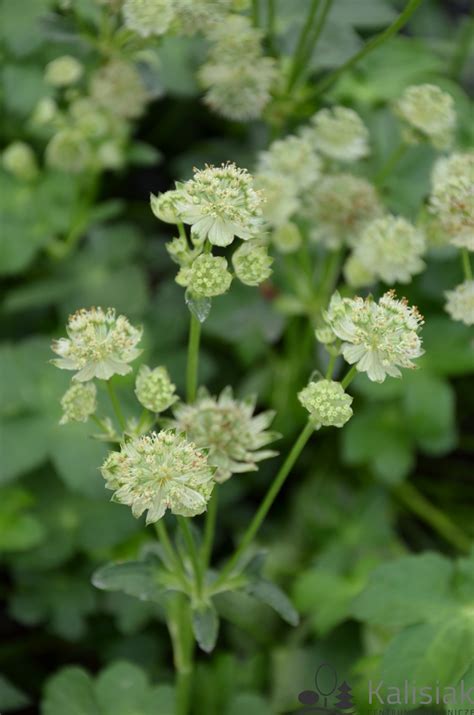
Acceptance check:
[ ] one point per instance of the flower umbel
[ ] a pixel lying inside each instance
(452, 198)
(327, 403)
(208, 276)
(158, 472)
(148, 17)
(99, 345)
(78, 403)
(154, 389)
(430, 111)
(340, 134)
(228, 429)
(460, 302)
(378, 338)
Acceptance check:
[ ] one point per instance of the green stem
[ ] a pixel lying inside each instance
(390, 163)
(209, 529)
(193, 358)
(116, 405)
(462, 48)
(192, 551)
(298, 57)
(319, 27)
(466, 264)
(330, 370)
(371, 45)
(271, 27)
(255, 13)
(433, 516)
(180, 628)
(349, 376)
(267, 502)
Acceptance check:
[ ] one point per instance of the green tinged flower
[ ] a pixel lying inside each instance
(118, 87)
(221, 203)
(251, 262)
(378, 338)
(148, 17)
(430, 112)
(63, 71)
(69, 151)
(452, 198)
(154, 389)
(460, 303)
(287, 238)
(390, 249)
(99, 345)
(79, 403)
(19, 159)
(340, 133)
(327, 403)
(294, 159)
(159, 472)
(228, 429)
(280, 200)
(208, 276)
(164, 206)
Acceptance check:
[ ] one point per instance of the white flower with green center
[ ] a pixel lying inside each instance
(79, 403)
(339, 208)
(19, 159)
(460, 303)
(251, 262)
(220, 202)
(227, 428)
(118, 87)
(294, 159)
(378, 338)
(340, 133)
(452, 198)
(327, 403)
(63, 71)
(390, 248)
(148, 17)
(99, 345)
(154, 389)
(208, 276)
(159, 472)
(430, 111)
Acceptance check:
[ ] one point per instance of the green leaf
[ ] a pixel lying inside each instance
(71, 691)
(24, 444)
(205, 626)
(135, 578)
(326, 596)
(18, 531)
(409, 590)
(77, 457)
(123, 689)
(429, 404)
(272, 596)
(11, 698)
(249, 704)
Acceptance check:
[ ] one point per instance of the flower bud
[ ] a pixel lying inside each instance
(327, 403)
(154, 389)
(79, 403)
(148, 17)
(209, 276)
(251, 262)
(287, 237)
(69, 151)
(460, 303)
(164, 206)
(19, 159)
(340, 134)
(63, 71)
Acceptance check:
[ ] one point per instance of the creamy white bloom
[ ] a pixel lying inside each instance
(280, 200)
(19, 159)
(452, 198)
(294, 159)
(63, 71)
(460, 302)
(378, 338)
(118, 87)
(340, 133)
(99, 345)
(148, 17)
(430, 111)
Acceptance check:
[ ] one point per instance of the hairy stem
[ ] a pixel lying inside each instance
(193, 358)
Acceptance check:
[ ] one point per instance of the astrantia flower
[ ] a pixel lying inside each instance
(158, 472)
(280, 197)
(251, 262)
(99, 345)
(220, 202)
(148, 17)
(340, 134)
(294, 159)
(287, 237)
(19, 159)
(69, 151)
(378, 338)
(199, 15)
(164, 206)
(452, 198)
(117, 86)
(339, 208)
(228, 429)
(390, 248)
(63, 71)
(430, 111)
(79, 403)
(154, 389)
(460, 302)
(208, 276)
(327, 403)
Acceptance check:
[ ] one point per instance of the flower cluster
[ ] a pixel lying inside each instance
(63, 71)
(327, 403)
(281, 201)
(154, 389)
(207, 277)
(228, 429)
(79, 403)
(429, 112)
(378, 338)
(19, 160)
(339, 133)
(158, 472)
(389, 249)
(146, 17)
(294, 159)
(118, 88)
(287, 237)
(460, 302)
(236, 76)
(452, 198)
(99, 345)
(251, 262)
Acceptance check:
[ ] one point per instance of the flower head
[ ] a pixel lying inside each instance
(99, 345)
(68, 150)
(118, 87)
(148, 17)
(228, 429)
(460, 302)
(220, 202)
(327, 403)
(390, 249)
(251, 262)
(208, 276)
(158, 472)
(287, 237)
(452, 198)
(430, 111)
(377, 337)
(340, 134)
(294, 159)
(281, 201)
(63, 71)
(154, 389)
(79, 403)
(164, 206)
(19, 159)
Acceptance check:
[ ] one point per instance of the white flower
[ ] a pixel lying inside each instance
(99, 345)
(148, 17)
(19, 159)
(220, 203)
(294, 159)
(340, 134)
(460, 302)
(430, 111)
(63, 71)
(452, 198)
(378, 338)
(118, 87)
(280, 202)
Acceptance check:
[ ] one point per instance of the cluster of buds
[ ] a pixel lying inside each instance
(327, 403)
